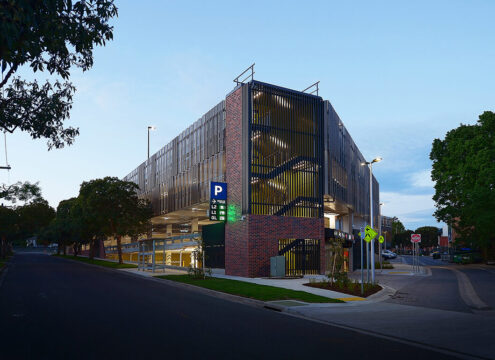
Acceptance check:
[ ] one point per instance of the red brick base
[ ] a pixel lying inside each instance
(250, 243)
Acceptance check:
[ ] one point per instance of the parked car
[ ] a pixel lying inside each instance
(387, 254)
(436, 254)
(462, 257)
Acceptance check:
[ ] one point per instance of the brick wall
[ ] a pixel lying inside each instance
(250, 243)
(265, 231)
(236, 232)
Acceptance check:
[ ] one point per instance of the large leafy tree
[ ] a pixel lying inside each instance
(397, 226)
(429, 235)
(33, 218)
(464, 175)
(115, 208)
(66, 226)
(52, 35)
(19, 191)
(8, 229)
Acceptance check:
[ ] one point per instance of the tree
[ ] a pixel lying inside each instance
(397, 226)
(68, 225)
(403, 238)
(19, 191)
(55, 35)
(33, 218)
(115, 208)
(8, 229)
(464, 175)
(429, 235)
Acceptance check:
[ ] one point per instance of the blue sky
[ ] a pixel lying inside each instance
(403, 72)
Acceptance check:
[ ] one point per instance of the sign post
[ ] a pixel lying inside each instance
(361, 235)
(416, 239)
(369, 238)
(380, 242)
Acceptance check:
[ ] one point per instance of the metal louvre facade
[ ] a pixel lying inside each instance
(286, 152)
(346, 180)
(179, 174)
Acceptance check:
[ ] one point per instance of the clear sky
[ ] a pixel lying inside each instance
(399, 73)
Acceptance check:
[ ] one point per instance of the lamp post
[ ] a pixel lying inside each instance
(380, 234)
(370, 163)
(150, 128)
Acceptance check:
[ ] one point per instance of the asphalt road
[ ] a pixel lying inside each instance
(51, 308)
(423, 260)
(438, 291)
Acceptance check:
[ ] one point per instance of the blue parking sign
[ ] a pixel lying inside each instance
(218, 191)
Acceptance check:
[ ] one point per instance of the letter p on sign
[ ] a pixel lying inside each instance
(218, 190)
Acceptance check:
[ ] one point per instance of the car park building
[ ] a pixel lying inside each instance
(294, 176)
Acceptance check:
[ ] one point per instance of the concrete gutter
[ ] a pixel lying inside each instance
(467, 292)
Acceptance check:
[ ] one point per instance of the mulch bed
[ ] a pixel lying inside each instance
(355, 291)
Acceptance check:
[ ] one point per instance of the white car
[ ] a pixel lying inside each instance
(387, 254)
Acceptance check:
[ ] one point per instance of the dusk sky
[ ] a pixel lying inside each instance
(399, 74)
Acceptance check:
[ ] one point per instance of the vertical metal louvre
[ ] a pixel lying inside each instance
(286, 146)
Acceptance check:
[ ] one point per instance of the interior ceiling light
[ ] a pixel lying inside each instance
(278, 142)
(282, 101)
(256, 135)
(276, 185)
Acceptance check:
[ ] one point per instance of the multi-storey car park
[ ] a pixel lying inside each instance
(295, 181)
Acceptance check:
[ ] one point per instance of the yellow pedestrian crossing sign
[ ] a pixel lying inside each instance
(370, 233)
(381, 239)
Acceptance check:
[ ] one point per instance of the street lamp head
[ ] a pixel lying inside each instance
(364, 163)
(377, 160)
(151, 127)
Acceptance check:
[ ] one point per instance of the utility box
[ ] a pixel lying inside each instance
(277, 266)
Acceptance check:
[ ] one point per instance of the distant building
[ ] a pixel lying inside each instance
(386, 228)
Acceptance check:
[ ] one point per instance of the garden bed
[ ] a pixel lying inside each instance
(351, 289)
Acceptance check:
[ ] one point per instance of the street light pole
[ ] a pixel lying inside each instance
(149, 128)
(380, 234)
(370, 163)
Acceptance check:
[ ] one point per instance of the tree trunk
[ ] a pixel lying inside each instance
(3, 248)
(91, 254)
(75, 247)
(64, 248)
(119, 249)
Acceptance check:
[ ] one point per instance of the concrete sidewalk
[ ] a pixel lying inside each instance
(464, 333)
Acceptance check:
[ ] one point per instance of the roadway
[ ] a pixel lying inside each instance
(59, 309)
(443, 282)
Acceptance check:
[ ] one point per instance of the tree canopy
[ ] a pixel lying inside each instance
(19, 191)
(52, 35)
(464, 175)
(115, 209)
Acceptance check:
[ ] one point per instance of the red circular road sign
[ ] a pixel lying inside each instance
(415, 238)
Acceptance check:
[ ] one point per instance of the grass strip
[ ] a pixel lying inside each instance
(250, 290)
(109, 264)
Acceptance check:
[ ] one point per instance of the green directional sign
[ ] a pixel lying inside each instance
(370, 233)
(381, 239)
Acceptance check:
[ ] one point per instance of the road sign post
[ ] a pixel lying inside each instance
(370, 238)
(361, 235)
(415, 240)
